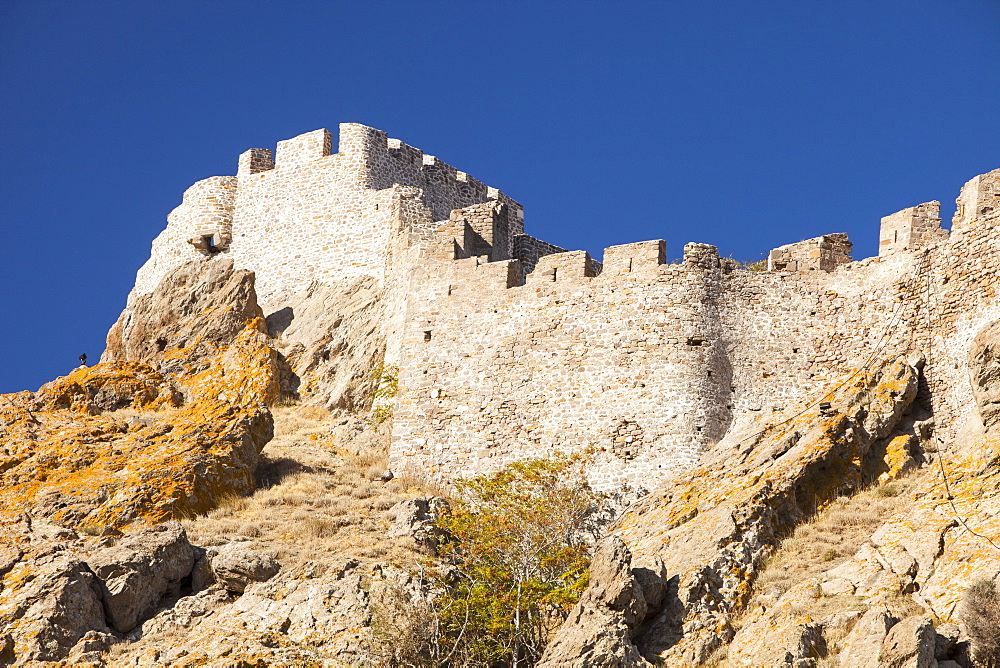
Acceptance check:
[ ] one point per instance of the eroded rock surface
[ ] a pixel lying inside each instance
(300, 617)
(984, 372)
(708, 533)
(236, 566)
(600, 628)
(197, 308)
(140, 570)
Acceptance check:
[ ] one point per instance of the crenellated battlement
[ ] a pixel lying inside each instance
(509, 346)
(371, 159)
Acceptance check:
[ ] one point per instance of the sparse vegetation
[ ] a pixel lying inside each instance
(316, 495)
(518, 559)
(386, 389)
(981, 613)
(831, 536)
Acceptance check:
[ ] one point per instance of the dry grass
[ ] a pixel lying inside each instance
(828, 539)
(318, 494)
(831, 537)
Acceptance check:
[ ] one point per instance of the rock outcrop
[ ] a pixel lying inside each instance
(66, 455)
(298, 617)
(708, 533)
(599, 630)
(50, 600)
(110, 445)
(334, 339)
(69, 598)
(984, 372)
(196, 309)
(141, 570)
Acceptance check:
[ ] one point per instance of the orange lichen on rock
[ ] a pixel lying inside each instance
(108, 387)
(63, 462)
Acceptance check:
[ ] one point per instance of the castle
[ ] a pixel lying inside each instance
(510, 347)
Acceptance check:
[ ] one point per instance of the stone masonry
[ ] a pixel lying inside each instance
(509, 347)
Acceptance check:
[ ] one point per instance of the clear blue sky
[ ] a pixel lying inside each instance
(742, 124)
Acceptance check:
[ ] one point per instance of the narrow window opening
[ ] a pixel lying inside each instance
(427, 335)
(210, 246)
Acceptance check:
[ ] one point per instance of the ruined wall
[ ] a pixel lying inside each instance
(628, 364)
(912, 228)
(823, 253)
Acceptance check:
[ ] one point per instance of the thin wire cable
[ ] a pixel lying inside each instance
(941, 444)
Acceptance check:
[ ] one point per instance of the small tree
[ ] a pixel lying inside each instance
(981, 614)
(519, 551)
(516, 559)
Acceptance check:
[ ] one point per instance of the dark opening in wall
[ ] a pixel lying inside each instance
(427, 335)
(210, 246)
(695, 341)
(161, 344)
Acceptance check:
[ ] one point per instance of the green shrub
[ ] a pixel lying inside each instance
(516, 553)
(386, 379)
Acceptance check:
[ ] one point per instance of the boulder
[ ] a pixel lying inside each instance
(599, 630)
(863, 644)
(414, 518)
(48, 605)
(140, 571)
(236, 566)
(910, 644)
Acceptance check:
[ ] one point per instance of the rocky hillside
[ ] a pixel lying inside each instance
(215, 493)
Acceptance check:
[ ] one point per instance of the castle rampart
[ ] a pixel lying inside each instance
(509, 347)
(645, 364)
(823, 253)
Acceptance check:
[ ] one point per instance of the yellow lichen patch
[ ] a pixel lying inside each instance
(64, 463)
(898, 458)
(246, 371)
(92, 390)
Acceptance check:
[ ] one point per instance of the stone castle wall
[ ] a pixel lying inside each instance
(310, 214)
(509, 347)
(646, 364)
